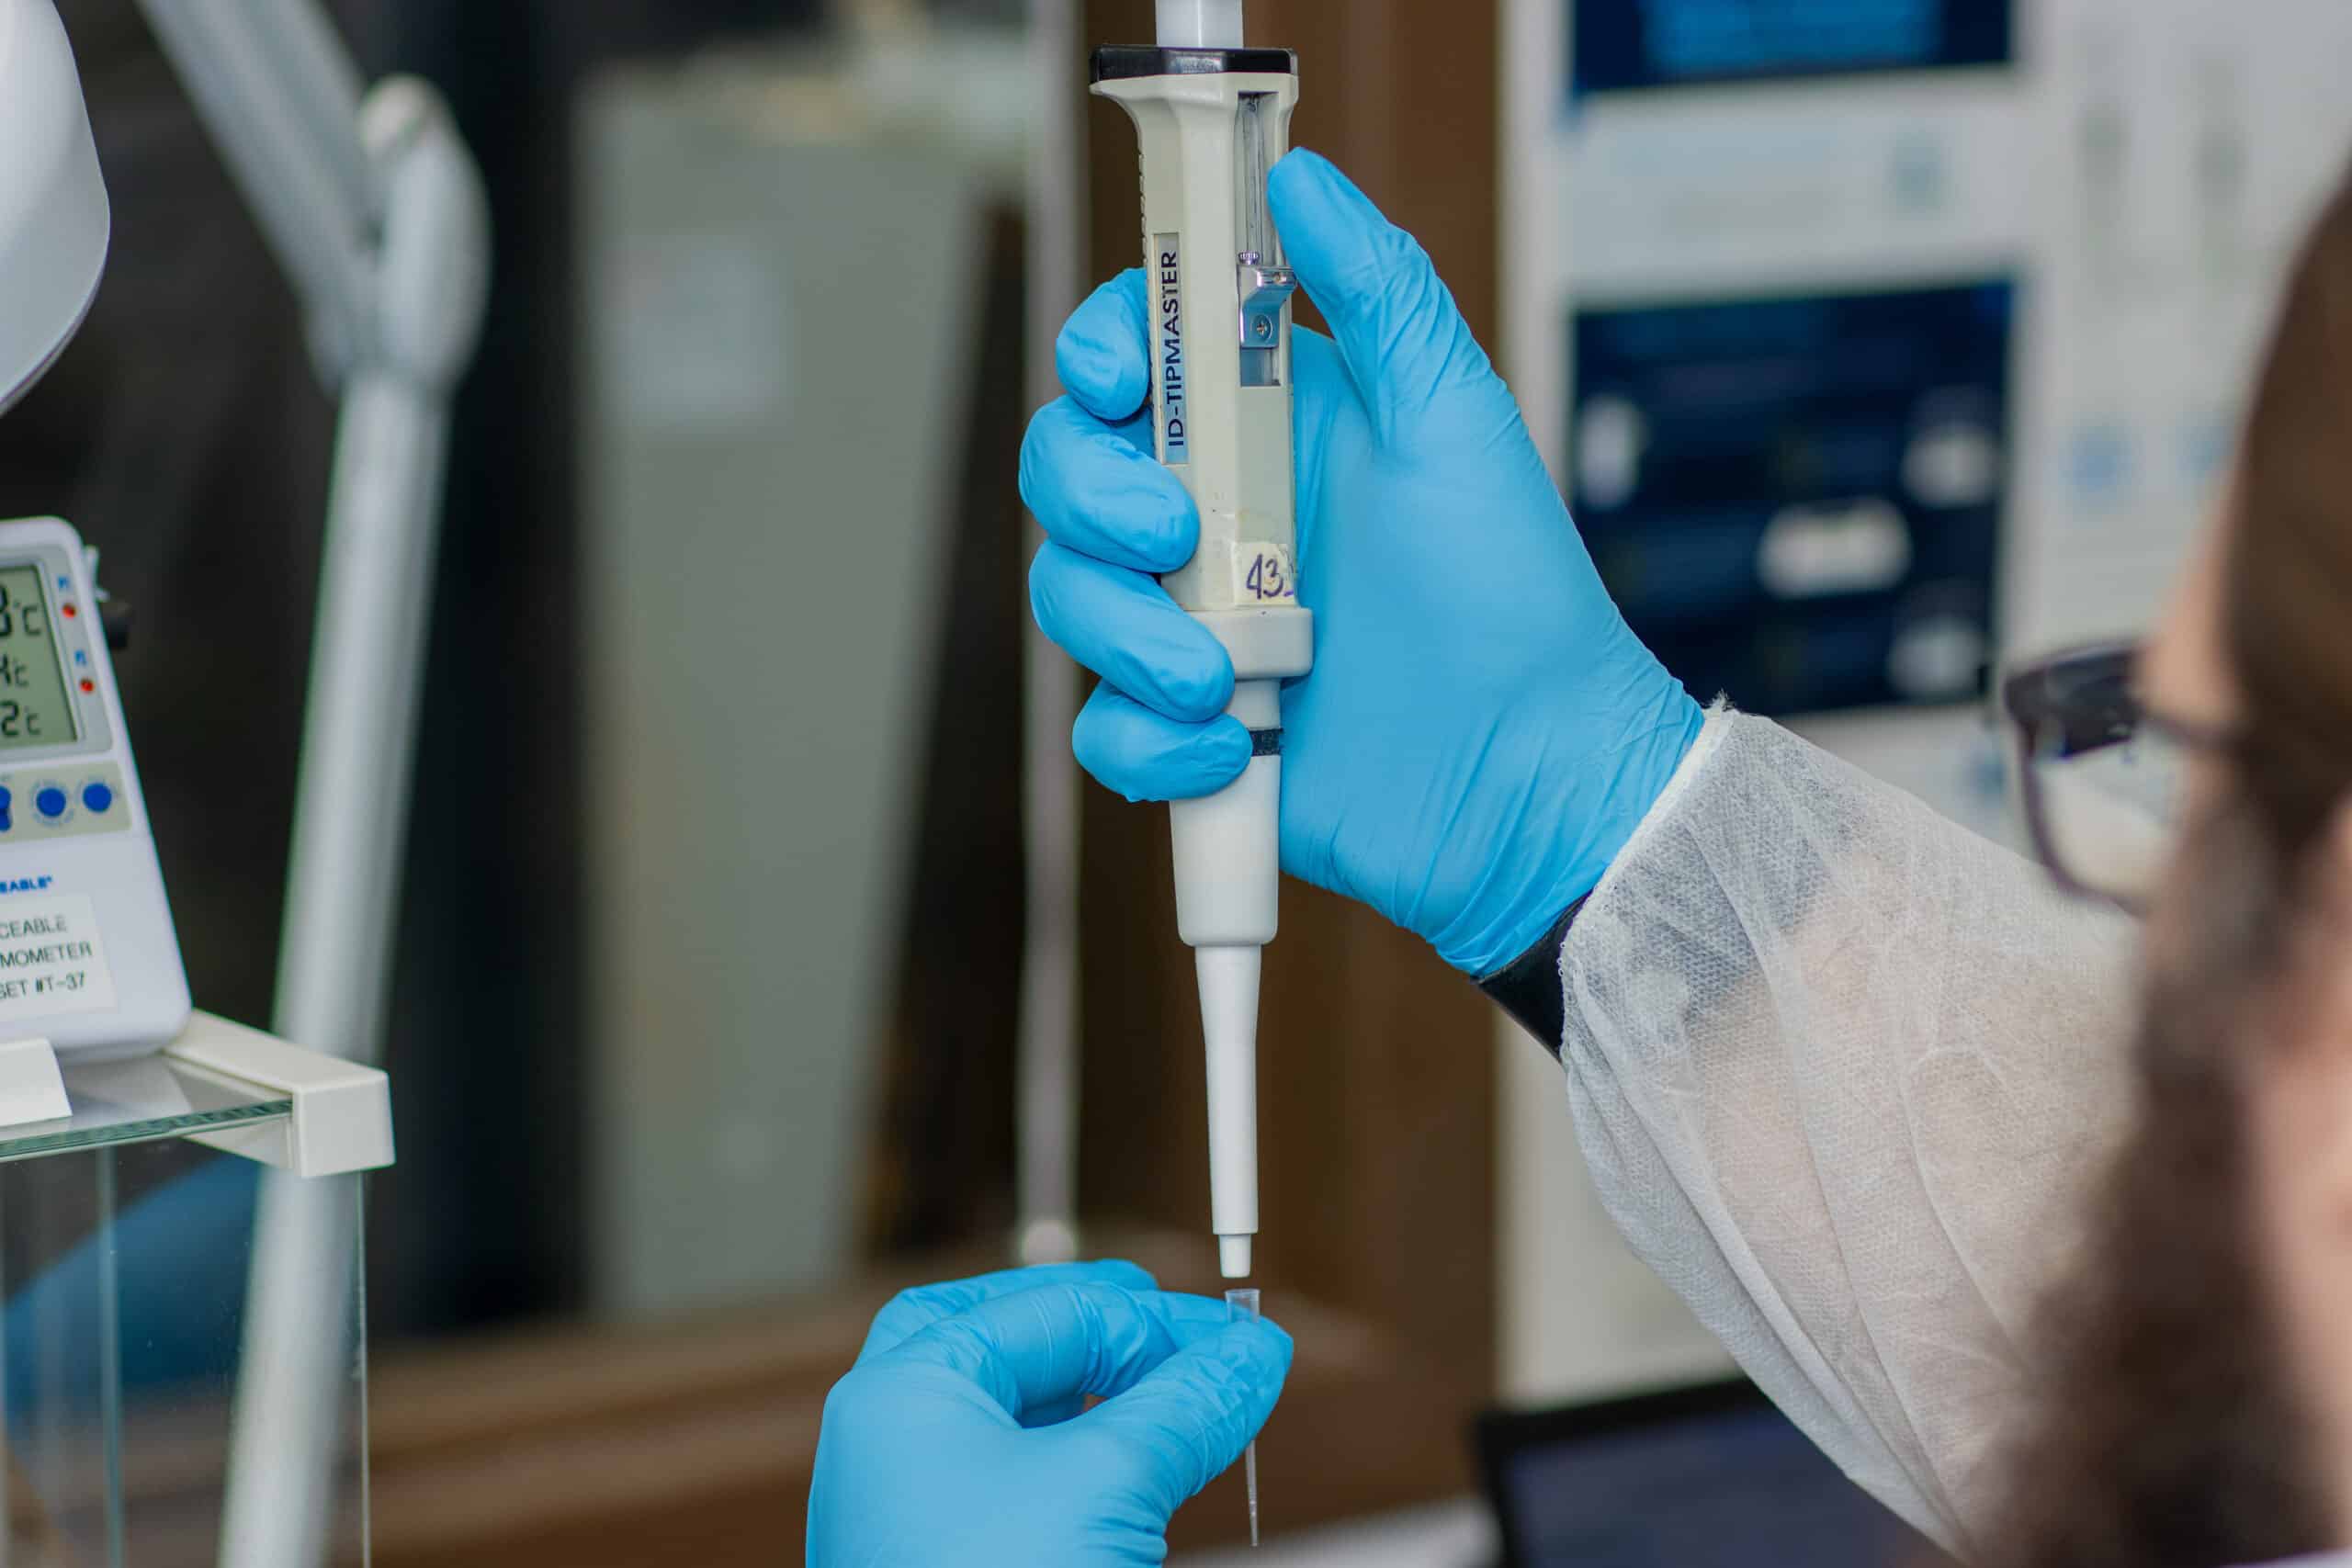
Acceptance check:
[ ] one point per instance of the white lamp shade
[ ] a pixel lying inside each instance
(53, 216)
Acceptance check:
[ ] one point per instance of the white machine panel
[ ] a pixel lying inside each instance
(1875, 342)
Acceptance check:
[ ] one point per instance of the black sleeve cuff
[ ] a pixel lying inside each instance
(1529, 986)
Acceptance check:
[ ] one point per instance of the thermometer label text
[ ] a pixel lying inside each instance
(52, 959)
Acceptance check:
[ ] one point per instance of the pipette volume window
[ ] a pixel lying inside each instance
(1263, 286)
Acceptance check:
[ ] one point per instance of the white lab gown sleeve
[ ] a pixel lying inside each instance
(1841, 1069)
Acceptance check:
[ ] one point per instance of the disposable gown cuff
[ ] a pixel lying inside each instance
(1528, 987)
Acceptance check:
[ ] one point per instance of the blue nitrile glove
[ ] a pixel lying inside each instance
(957, 1437)
(1482, 732)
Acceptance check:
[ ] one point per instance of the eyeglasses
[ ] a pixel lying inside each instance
(2102, 776)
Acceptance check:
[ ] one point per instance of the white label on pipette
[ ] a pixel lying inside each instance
(52, 959)
(1263, 574)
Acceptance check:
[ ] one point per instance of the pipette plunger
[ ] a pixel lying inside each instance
(1200, 24)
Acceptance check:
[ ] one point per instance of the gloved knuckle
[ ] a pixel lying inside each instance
(1044, 570)
(1033, 458)
(913, 1304)
(849, 1408)
(1193, 692)
(1096, 744)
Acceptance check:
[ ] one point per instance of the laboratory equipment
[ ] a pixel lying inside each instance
(88, 959)
(54, 221)
(373, 208)
(1213, 117)
(1710, 1476)
(1244, 1302)
(1476, 746)
(99, 1047)
(1045, 1042)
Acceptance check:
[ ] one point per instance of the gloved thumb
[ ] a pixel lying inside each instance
(1399, 330)
(1185, 1422)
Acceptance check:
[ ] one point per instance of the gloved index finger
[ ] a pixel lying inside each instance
(1044, 1347)
(1095, 491)
(912, 1311)
(1188, 1419)
(1104, 353)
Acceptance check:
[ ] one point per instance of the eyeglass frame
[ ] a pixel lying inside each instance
(2030, 704)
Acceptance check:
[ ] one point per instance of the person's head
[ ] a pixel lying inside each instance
(2198, 1397)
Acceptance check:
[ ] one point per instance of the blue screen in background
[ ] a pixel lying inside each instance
(1735, 1489)
(1625, 44)
(1747, 409)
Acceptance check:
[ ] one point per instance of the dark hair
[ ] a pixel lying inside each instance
(2287, 588)
(2167, 1432)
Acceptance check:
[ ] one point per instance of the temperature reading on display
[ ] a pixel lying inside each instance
(35, 707)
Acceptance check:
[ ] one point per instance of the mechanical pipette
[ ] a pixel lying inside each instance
(1213, 117)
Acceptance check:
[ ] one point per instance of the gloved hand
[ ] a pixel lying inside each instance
(957, 1437)
(1482, 732)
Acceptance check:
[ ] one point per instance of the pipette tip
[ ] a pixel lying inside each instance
(1232, 1255)
(1238, 1303)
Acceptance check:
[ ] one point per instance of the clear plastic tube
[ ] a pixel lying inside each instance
(1243, 1302)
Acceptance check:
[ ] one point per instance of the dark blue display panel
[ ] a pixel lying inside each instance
(1739, 1489)
(1624, 44)
(1736, 419)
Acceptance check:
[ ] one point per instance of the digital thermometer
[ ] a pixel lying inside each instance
(89, 960)
(1213, 118)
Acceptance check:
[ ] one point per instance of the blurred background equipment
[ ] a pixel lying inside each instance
(375, 211)
(53, 215)
(1875, 344)
(1712, 1476)
(394, 273)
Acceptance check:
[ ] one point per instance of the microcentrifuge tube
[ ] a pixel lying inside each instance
(1241, 1303)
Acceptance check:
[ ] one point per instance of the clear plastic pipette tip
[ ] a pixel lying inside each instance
(1243, 1303)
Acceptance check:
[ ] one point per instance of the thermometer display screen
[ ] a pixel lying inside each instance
(35, 707)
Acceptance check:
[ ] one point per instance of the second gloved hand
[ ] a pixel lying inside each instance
(962, 1436)
(1482, 732)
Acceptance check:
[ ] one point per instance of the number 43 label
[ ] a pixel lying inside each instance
(1263, 574)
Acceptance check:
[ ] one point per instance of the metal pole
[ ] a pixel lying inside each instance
(282, 103)
(1049, 1039)
(350, 819)
(431, 279)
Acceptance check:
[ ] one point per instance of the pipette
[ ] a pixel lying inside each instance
(1213, 117)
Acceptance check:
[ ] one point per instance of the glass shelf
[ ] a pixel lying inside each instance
(139, 1102)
